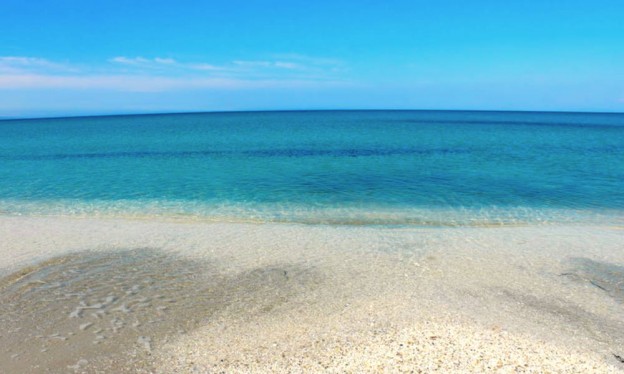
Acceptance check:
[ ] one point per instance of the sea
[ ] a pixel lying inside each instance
(397, 168)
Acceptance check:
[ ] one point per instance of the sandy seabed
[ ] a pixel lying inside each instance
(119, 295)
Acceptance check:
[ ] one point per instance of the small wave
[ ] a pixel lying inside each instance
(493, 216)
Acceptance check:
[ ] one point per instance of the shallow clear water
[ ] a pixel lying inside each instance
(336, 167)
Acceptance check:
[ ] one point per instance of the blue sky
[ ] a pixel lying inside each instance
(87, 57)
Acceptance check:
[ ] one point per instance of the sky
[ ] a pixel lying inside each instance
(76, 57)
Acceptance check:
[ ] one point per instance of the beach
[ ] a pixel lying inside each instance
(184, 296)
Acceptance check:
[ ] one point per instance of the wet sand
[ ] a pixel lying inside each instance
(115, 295)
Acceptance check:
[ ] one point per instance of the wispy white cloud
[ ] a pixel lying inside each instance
(163, 63)
(166, 61)
(128, 61)
(136, 83)
(269, 64)
(23, 61)
(15, 64)
(206, 67)
(288, 65)
(142, 61)
(292, 62)
(141, 74)
(252, 64)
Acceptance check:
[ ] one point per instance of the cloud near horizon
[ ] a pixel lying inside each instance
(141, 74)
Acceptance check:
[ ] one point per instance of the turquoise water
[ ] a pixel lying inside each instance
(337, 167)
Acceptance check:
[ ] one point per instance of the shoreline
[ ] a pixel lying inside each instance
(357, 291)
(296, 214)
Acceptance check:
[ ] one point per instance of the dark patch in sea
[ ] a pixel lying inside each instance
(291, 153)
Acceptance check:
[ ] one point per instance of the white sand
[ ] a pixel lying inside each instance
(448, 300)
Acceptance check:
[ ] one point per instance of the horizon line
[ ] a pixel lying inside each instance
(137, 114)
